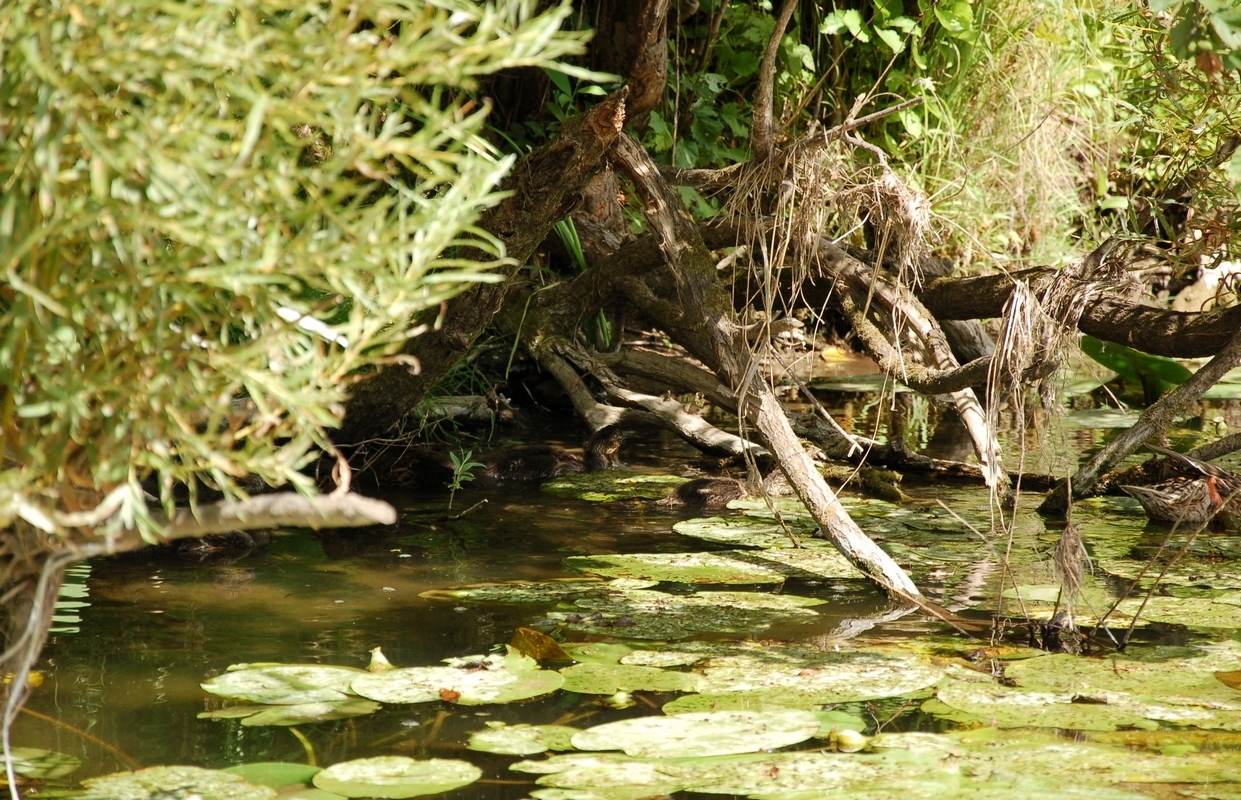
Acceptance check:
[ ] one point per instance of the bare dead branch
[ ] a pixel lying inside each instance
(707, 326)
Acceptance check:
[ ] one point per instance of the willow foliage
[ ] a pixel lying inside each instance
(213, 214)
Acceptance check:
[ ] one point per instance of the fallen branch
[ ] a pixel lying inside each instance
(1174, 334)
(861, 285)
(282, 509)
(674, 416)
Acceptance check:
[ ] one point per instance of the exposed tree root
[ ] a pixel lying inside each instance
(703, 320)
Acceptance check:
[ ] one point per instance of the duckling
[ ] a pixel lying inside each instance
(542, 462)
(1211, 495)
(717, 492)
(707, 493)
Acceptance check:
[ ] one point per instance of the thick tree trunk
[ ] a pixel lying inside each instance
(546, 185)
(631, 40)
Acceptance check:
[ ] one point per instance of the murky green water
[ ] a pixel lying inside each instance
(122, 680)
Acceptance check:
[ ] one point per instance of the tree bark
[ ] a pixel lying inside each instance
(546, 185)
(631, 40)
(1174, 334)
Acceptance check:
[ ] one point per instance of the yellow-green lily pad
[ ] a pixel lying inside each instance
(710, 734)
(275, 774)
(676, 568)
(529, 591)
(648, 614)
(471, 682)
(158, 783)
(612, 678)
(300, 714)
(521, 740)
(804, 678)
(749, 530)
(396, 777)
(284, 684)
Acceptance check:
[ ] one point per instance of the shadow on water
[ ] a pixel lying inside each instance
(123, 678)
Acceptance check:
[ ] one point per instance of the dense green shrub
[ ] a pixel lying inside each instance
(204, 203)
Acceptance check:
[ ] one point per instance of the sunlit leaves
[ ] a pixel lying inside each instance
(214, 214)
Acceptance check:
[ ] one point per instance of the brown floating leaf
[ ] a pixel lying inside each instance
(1232, 678)
(538, 646)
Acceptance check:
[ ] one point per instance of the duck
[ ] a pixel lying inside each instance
(1209, 495)
(422, 468)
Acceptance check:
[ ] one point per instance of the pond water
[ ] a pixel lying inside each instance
(137, 636)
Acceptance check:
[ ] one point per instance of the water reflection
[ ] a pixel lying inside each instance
(126, 676)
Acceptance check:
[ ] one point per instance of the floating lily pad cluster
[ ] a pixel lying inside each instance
(1062, 691)
(1207, 609)
(296, 694)
(627, 609)
(987, 763)
(738, 701)
(380, 777)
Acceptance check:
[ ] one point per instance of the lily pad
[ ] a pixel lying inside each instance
(475, 681)
(549, 592)
(748, 530)
(601, 793)
(521, 740)
(710, 734)
(1155, 688)
(1222, 611)
(301, 714)
(275, 773)
(598, 652)
(804, 678)
(284, 684)
(1079, 710)
(1007, 707)
(806, 563)
(676, 568)
(158, 783)
(45, 765)
(612, 485)
(396, 777)
(647, 614)
(1184, 573)
(612, 678)
(681, 654)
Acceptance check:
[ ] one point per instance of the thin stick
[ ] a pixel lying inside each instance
(120, 755)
